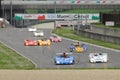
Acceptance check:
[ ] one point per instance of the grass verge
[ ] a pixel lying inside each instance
(9, 59)
(69, 33)
(88, 11)
(102, 25)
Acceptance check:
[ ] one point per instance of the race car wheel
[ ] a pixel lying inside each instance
(71, 51)
(55, 63)
(59, 41)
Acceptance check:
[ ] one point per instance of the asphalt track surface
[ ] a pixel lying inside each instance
(43, 56)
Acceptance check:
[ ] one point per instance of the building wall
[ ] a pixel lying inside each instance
(115, 17)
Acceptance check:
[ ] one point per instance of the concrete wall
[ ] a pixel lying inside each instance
(105, 31)
(99, 33)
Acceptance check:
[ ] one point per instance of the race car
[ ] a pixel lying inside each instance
(38, 33)
(55, 38)
(64, 58)
(76, 47)
(30, 42)
(44, 42)
(31, 29)
(98, 57)
(58, 26)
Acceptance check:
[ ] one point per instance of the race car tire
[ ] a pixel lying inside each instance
(25, 44)
(55, 63)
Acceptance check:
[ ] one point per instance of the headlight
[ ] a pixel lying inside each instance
(91, 60)
(57, 62)
(71, 61)
(105, 60)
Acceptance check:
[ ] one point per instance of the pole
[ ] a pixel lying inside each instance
(0, 8)
(3, 10)
(55, 13)
(55, 7)
(11, 11)
(78, 25)
(23, 20)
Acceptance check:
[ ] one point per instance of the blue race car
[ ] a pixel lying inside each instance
(64, 58)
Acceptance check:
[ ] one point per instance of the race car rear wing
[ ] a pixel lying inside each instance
(98, 54)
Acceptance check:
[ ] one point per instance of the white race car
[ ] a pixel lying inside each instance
(38, 33)
(32, 29)
(98, 57)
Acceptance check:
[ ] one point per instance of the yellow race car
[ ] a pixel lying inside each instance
(44, 42)
(79, 49)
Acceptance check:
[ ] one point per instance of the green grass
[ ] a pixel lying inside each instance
(69, 33)
(87, 11)
(102, 25)
(9, 59)
(32, 11)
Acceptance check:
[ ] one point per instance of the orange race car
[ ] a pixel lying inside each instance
(44, 42)
(76, 47)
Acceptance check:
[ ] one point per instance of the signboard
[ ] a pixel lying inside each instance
(78, 16)
(68, 23)
(94, 16)
(109, 23)
(18, 17)
(51, 16)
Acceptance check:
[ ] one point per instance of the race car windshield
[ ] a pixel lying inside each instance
(55, 36)
(100, 54)
(95, 54)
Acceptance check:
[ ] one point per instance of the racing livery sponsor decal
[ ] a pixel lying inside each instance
(41, 17)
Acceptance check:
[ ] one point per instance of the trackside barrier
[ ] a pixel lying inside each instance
(106, 34)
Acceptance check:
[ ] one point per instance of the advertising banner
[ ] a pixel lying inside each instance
(94, 16)
(109, 23)
(78, 16)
